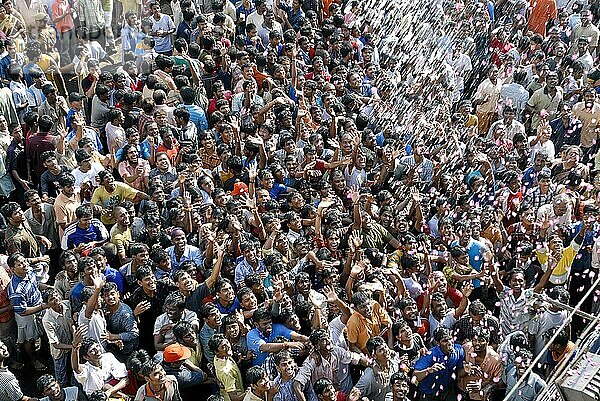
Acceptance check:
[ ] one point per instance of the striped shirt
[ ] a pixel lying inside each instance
(9, 386)
(24, 292)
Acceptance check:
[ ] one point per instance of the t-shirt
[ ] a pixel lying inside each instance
(165, 23)
(108, 200)
(255, 339)
(442, 380)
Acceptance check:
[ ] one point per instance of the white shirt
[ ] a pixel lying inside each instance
(90, 176)
(92, 378)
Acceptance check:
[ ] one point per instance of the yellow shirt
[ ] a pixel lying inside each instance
(229, 375)
(561, 272)
(108, 201)
(121, 238)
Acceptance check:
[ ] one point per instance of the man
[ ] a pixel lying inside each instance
(482, 367)
(260, 339)
(588, 112)
(140, 256)
(120, 234)
(164, 172)
(87, 270)
(547, 98)
(486, 100)
(226, 369)
(66, 203)
(21, 239)
(10, 390)
(181, 251)
(120, 323)
(49, 181)
(41, 218)
(62, 15)
(38, 144)
(566, 129)
(53, 391)
(100, 108)
(157, 382)
(26, 299)
(91, 15)
(369, 319)
(251, 263)
(56, 107)
(87, 232)
(58, 323)
(174, 363)
(101, 371)
(147, 303)
(531, 387)
(477, 317)
(269, 24)
(110, 193)
(437, 370)
(371, 384)
(212, 324)
(510, 123)
(258, 380)
(162, 29)
(326, 361)
(16, 162)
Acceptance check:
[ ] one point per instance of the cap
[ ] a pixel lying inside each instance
(176, 352)
(239, 188)
(40, 16)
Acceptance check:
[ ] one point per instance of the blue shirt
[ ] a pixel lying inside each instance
(115, 276)
(583, 260)
(230, 310)
(442, 380)
(189, 253)
(197, 116)
(254, 339)
(24, 292)
(277, 190)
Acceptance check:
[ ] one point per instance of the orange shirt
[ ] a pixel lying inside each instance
(541, 12)
(360, 329)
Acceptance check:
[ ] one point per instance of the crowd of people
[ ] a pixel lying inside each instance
(296, 200)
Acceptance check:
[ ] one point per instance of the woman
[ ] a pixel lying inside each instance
(133, 169)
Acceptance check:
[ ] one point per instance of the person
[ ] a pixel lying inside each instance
(438, 370)
(260, 338)
(10, 389)
(53, 391)
(99, 367)
(482, 367)
(324, 362)
(58, 325)
(530, 388)
(26, 299)
(120, 322)
(258, 383)
(158, 384)
(84, 234)
(374, 382)
(226, 370)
